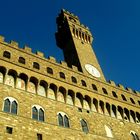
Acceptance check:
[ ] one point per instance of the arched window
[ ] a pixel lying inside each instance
(49, 70)
(35, 113)
(108, 131)
(62, 75)
(36, 65)
(83, 83)
(14, 107)
(94, 87)
(134, 135)
(38, 113)
(114, 94)
(95, 105)
(10, 105)
(63, 120)
(104, 91)
(132, 101)
(41, 115)
(21, 60)
(7, 54)
(74, 80)
(7, 105)
(123, 97)
(60, 120)
(66, 121)
(114, 111)
(84, 126)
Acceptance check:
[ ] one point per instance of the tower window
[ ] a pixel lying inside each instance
(63, 120)
(7, 54)
(21, 60)
(36, 65)
(49, 70)
(74, 80)
(104, 91)
(80, 34)
(94, 87)
(37, 113)
(9, 130)
(76, 33)
(114, 94)
(83, 83)
(83, 36)
(84, 126)
(39, 136)
(89, 39)
(73, 31)
(123, 97)
(132, 101)
(62, 75)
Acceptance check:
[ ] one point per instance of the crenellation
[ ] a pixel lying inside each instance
(14, 44)
(41, 54)
(74, 68)
(121, 86)
(63, 63)
(52, 59)
(2, 38)
(112, 83)
(27, 49)
(129, 89)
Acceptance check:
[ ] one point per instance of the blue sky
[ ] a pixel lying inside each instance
(115, 25)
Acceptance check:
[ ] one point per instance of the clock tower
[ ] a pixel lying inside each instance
(75, 40)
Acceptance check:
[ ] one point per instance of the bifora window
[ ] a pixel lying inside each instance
(37, 113)
(10, 105)
(84, 126)
(63, 120)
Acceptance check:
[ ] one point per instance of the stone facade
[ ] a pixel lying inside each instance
(29, 80)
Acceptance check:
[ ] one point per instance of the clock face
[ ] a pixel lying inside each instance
(92, 70)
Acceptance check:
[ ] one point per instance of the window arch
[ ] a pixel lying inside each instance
(36, 65)
(62, 75)
(10, 105)
(114, 94)
(94, 87)
(38, 113)
(7, 54)
(63, 119)
(49, 70)
(84, 126)
(134, 135)
(123, 97)
(104, 91)
(21, 60)
(132, 101)
(74, 80)
(83, 83)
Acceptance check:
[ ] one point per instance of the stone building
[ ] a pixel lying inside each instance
(41, 99)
